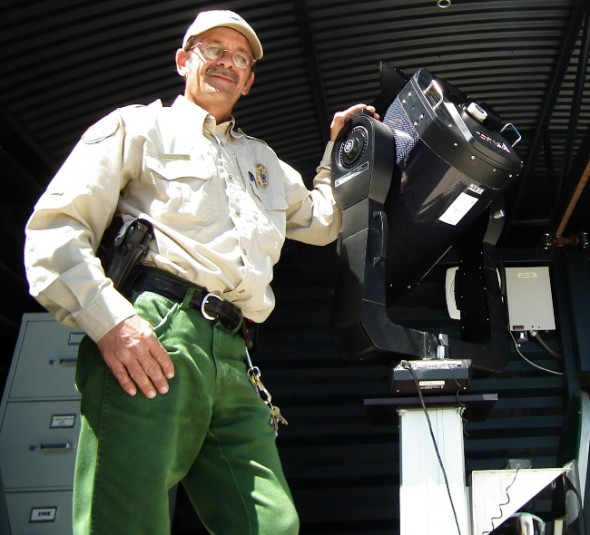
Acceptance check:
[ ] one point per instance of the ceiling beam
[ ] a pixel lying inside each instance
(568, 47)
(313, 67)
(577, 96)
(574, 188)
(17, 140)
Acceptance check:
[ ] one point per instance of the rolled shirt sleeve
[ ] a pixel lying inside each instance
(316, 219)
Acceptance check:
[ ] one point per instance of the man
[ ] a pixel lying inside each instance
(221, 204)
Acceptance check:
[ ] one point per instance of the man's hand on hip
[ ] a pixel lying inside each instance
(137, 358)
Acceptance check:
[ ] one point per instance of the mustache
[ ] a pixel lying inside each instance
(223, 72)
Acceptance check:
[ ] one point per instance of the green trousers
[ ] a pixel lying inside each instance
(210, 432)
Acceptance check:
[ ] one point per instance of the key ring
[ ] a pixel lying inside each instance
(255, 374)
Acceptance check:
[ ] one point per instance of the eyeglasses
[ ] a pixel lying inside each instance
(214, 51)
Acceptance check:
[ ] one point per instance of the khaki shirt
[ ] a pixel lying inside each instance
(221, 204)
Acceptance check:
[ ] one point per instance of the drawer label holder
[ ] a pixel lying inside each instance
(43, 514)
(63, 421)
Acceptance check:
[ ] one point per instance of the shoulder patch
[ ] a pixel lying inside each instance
(101, 130)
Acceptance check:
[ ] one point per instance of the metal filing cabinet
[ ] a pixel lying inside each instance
(39, 425)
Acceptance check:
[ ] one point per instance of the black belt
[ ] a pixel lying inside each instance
(212, 306)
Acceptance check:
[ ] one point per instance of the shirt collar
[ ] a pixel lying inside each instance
(198, 116)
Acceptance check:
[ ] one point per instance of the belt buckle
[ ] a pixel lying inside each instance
(204, 303)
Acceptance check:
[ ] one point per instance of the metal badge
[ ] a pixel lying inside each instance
(261, 175)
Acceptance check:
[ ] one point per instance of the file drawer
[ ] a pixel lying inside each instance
(40, 513)
(45, 361)
(38, 444)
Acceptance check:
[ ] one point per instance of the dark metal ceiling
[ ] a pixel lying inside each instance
(65, 63)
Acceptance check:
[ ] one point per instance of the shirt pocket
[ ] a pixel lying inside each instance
(272, 200)
(271, 195)
(187, 190)
(271, 206)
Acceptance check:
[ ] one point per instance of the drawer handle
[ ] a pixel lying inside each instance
(65, 363)
(52, 448)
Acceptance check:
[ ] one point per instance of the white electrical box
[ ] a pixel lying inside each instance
(530, 302)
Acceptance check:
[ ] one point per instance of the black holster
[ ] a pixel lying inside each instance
(128, 248)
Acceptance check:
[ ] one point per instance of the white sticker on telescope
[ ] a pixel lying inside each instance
(349, 176)
(461, 205)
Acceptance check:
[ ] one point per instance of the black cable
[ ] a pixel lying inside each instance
(501, 505)
(544, 345)
(405, 364)
(521, 355)
(460, 404)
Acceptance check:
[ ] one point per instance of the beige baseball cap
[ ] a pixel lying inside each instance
(213, 19)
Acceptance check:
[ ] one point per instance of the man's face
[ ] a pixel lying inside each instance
(218, 82)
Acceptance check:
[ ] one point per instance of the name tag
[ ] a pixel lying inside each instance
(174, 157)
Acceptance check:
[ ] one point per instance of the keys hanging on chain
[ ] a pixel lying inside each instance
(276, 418)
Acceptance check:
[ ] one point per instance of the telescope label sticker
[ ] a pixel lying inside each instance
(457, 211)
(349, 176)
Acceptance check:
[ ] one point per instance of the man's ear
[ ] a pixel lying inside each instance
(182, 62)
(248, 84)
